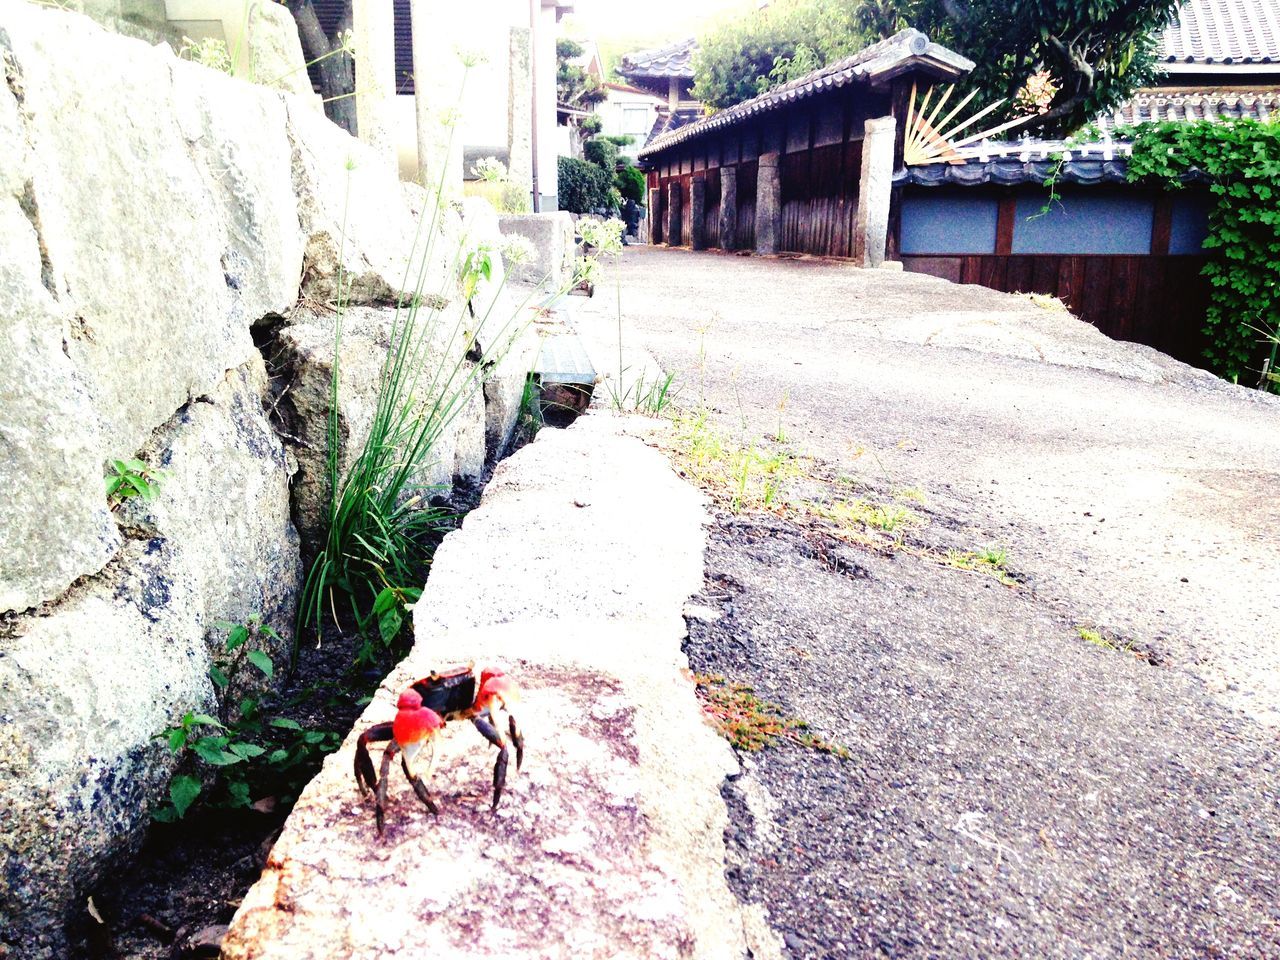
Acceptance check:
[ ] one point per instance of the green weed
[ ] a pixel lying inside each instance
(989, 560)
(752, 724)
(132, 478)
(861, 513)
(744, 476)
(245, 756)
(1097, 638)
(653, 397)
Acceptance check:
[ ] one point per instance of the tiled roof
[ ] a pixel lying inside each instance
(1162, 104)
(1223, 32)
(887, 58)
(1014, 162)
(675, 60)
(668, 121)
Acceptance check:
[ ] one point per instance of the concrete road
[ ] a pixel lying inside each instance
(1141, 493)
(1014, 790)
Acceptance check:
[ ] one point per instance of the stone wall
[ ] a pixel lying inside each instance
(170, 243)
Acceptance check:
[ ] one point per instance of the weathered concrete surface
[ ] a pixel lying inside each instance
(85, 686)
(1127, 485)
(609, 843)
(1015, 791)
(552, 236)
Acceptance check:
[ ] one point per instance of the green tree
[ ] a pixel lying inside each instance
(1096, 52)
(879, 19)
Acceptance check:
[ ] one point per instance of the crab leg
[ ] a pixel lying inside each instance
(490, 733)
(419, 786)
(517, 738)
(380, 795)
(365, 778)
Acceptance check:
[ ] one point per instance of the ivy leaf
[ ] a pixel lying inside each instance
(284, 723)
(220, 679)
(278, 757)
(183, 791)
(205, 719)
(177, 739)
(262, 662)
(246, 751)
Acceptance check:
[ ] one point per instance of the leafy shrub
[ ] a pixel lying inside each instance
(1241, 159)
(602, 152)
(251, 755)
(591, 124)
(583, 187)
(620, 140)
(631, 184)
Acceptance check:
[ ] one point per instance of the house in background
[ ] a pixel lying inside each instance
(509, 106)
(630, 112)
(1124, 257)
(798, 170)
(667, 74)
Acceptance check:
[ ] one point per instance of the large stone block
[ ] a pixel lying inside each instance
(149, 213)
(131, 234)
(54, 523)
(552, 236)
(275, 51)
(354, 218)
(86, 684)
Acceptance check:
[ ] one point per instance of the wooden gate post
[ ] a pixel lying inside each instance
(655, 215)
(728, 208)
(874, 192)
(674, 202)
(768, 203)
(698, 213)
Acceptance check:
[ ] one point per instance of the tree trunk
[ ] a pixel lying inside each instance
(337, 72)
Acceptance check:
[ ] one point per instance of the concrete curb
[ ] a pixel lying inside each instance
(610, 843)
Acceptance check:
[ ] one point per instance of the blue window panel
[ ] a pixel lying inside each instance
(1190, 222)
(948, 223)
(1088, 221)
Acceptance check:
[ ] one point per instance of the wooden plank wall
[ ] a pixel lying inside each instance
(821, 146)
(820, 199)
(1146, 298)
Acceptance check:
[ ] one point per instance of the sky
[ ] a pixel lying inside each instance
(622, 19)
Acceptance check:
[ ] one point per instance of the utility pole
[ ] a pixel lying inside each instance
(533, 88)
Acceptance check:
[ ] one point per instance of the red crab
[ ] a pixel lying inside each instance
(483, 696)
